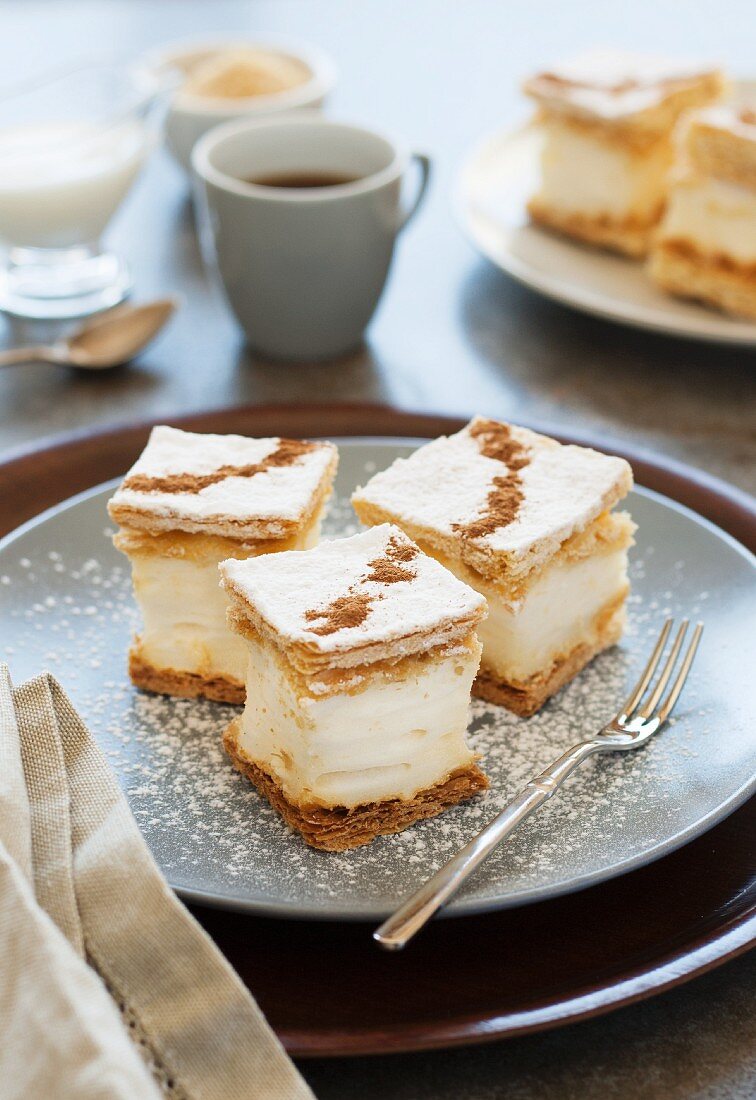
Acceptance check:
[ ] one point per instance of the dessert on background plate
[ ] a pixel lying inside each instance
(529, 524)
(706, 244)
(361, 654)
(607, 120)
(189, 502)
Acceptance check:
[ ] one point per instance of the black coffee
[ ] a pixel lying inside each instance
(302, 179)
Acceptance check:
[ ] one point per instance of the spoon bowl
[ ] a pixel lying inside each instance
(106, 341)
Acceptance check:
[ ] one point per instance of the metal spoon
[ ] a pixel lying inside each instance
(106, 341)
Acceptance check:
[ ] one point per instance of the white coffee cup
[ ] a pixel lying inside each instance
(303, 267)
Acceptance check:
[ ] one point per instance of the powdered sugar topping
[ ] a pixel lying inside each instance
(732, 118)
(614, 84)
(265, 486)
(299, 593)
(444, 487)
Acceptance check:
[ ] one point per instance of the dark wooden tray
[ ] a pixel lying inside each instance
(325, 987)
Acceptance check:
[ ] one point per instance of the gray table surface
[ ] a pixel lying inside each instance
(451, 335)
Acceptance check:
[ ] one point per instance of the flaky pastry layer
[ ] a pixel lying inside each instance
(338, 828)
(312, 663)
(630, 236)
(721, 142)
(635, 128)
(256, 529)
(200, 547)
(356, 678)
(610, 532)
(720, 281)
(184, 685)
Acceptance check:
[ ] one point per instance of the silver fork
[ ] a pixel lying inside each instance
(627, 730)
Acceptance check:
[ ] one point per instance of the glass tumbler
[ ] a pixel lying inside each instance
(71, 147)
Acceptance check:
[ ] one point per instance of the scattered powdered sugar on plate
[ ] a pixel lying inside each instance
(73, 612)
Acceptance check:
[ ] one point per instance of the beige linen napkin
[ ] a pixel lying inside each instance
(108, 987)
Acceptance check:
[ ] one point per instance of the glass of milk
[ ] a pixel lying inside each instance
(70, 150)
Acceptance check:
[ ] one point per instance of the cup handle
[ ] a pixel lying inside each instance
(424, 166)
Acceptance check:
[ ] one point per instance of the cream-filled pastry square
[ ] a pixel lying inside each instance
(528, 523)
(188, 503)
(706, 244)
(361, 654)
(606, 121)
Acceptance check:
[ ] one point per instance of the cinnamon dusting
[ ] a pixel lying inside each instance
(392, 567)
(343, 613)
(287, 453)
(352, 609)
(622, 87)
(496, 441)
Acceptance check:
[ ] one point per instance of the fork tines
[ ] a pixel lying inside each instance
(649, 709)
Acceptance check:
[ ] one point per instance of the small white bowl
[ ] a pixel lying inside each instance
(191, 116)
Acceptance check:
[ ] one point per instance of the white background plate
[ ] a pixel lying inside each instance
(66, 604)
(495, 183)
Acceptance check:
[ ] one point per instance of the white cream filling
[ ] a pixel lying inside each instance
(557, 613)
(390, 740)
(580, 174)
(715, 216)
(184, 615)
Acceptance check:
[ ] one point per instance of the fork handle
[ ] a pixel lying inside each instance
(420, 906)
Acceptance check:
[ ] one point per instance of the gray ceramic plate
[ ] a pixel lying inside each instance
(67, 606)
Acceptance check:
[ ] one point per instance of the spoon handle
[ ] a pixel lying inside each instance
(11, 356)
